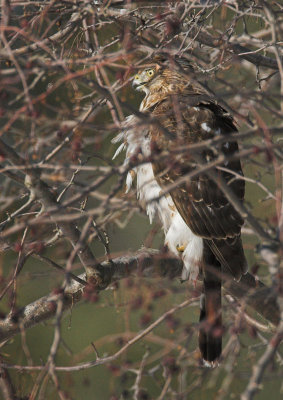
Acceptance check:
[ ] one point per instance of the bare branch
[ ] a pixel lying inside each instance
(146, 263)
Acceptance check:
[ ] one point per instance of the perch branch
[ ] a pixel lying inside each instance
(146, 263)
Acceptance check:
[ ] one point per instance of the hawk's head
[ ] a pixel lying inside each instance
(147, 78)
(162, 77)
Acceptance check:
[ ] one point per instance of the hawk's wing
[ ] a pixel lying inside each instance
(201, 203)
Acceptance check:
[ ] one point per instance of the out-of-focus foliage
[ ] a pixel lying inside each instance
(65, 73)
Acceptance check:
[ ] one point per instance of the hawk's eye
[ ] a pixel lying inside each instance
(150, 72)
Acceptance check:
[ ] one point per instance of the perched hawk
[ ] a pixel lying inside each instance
(173, 181)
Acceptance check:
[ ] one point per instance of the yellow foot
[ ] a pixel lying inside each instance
(181, 249)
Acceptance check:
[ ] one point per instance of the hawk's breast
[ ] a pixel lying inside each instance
(178, 236)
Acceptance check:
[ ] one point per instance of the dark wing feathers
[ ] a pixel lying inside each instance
(200, 202)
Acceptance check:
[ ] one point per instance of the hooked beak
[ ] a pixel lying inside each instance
(136, 82)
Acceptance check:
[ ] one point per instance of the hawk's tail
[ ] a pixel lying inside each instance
(210, 332)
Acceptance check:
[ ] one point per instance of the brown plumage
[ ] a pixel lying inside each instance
(187, 115)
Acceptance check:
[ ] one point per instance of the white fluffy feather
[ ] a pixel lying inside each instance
(177, 234)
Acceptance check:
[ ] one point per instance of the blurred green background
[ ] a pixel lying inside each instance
(133, 304)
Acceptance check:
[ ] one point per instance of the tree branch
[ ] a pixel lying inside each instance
(259, 368)
(6, 385)
(146, 263)
(241, 51)
(42, 192)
